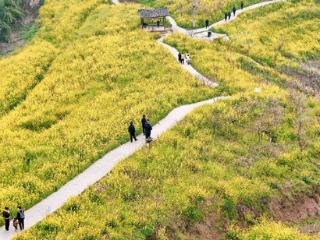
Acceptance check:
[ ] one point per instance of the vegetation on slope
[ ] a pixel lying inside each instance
(213, 10)
(92, 84)
(234, 71)
(231, 161)
(235, 169)
(278, 35)
(257, 53)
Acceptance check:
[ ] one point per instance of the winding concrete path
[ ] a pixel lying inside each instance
(100, 169)
(202, 33)
(188, 67)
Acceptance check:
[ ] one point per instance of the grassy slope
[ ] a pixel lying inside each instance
(211, 163)
(294, 27)
(102, 76)
(213, 10)
(212, 167)
(257, 51)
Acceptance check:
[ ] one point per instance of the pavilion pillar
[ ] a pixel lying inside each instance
(164, 23)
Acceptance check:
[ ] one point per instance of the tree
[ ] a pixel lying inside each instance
(10, 12)
(270, 118)
(298, 101)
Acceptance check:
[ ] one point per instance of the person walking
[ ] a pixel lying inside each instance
(229, 15)
(188, 58)
(144, 122)
(180, 57)
(207, 23)
(6, 217)
(148, 130)
(226, 16)
(20, 217)
(234, 10)
(241, 5)
(132, 131)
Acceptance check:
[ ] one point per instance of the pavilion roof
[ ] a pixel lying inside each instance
(154, 13)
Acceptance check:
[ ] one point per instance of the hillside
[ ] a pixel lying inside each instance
(182, 10)
(244, 168)
(208, 174)
(66, 103)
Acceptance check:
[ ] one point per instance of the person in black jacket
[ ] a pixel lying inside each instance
(20, 217)
(207, 23)
(242, 5)
(132, 132)
(148, 129)
(229, 15)
(6, 217)
(234, 11)
(143, 122)
(226, 16)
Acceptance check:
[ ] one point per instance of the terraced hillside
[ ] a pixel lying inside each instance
(245, 168)
(206, 179)
(67, 97)
(182, 10)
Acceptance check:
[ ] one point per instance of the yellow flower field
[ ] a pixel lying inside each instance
(91, 86)
(213, 10)
(212, 164)
(231, 170)
(279, 34)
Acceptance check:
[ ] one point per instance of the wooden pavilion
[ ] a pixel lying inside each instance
(156, 18)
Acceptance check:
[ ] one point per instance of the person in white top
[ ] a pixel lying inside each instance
(188, 59)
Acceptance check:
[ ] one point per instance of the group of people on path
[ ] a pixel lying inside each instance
(146, 127)
(183, 60)
(17, 221)
(227, 15)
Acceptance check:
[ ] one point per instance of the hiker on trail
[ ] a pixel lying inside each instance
(148, 129)
(241, 5)
(132, 132)
(229, 15)
(188, 59)
(234, 11)
(226, 16)
(180, 57)
(143, 124)
(20, 217)
(207, 23)
(6, 217)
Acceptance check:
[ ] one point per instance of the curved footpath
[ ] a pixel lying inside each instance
(102, 167)
(202, 32)
(188, 67)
